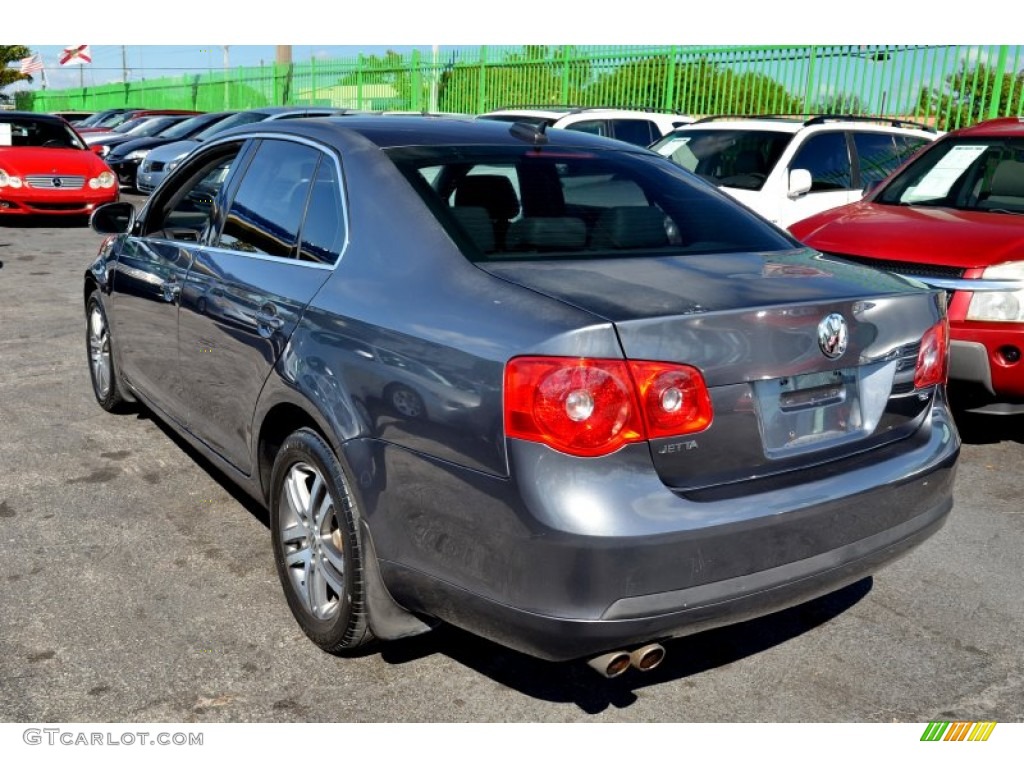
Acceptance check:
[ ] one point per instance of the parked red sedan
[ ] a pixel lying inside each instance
(45, 168)
(953, 218)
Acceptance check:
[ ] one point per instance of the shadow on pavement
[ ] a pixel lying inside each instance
(575, 682)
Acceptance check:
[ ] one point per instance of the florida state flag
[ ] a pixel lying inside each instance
(75, 54)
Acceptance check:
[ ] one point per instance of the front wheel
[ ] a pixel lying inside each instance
(314, 527)
(106, 385)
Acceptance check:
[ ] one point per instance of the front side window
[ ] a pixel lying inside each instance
(877, 156)
(827, 157)
(185, 211)
(552, 203)
(267, 209)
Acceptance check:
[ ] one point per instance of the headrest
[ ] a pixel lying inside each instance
(495, 193)
(477, 224)
(547, 233)
(630, 227)
(1008, 180)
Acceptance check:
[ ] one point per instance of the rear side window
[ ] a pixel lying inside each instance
(323, 231)
(267, 209)
(536, 203)
(827, 157)
(639, 132)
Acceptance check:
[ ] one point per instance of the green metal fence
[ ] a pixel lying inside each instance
(946, 86)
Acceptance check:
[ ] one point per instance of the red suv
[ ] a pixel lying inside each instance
(953, 217)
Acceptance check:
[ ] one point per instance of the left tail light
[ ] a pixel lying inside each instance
(933, 359)
(592, 407)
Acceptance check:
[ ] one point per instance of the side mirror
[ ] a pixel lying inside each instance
(113, 219)
(96, 149)
(800, 182)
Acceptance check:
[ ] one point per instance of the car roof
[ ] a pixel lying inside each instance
(797, 123)
(35, 115)
(389, 131)
(1001, 126)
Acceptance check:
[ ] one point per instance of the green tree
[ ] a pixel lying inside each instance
(839, 104)
(534, 74)
(699, 87)
(967, 96)
(12, 54)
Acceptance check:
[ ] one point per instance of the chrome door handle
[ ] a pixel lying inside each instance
(268, 322)
(171, 290)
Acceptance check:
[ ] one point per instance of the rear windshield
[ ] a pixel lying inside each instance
(733, 158)
(547, 203)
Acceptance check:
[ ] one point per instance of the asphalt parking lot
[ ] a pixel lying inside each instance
(138, 586)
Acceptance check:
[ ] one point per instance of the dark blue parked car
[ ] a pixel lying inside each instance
(541, 385)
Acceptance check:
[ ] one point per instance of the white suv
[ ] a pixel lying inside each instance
(632, 125)
(788, 168)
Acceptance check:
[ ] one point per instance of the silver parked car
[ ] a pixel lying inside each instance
(162, 160)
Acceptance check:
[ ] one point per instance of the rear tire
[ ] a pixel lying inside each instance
(317, 550)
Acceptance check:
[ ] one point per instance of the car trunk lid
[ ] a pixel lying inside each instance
(764, 330)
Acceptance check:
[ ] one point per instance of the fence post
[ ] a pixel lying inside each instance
(359, 81)
(670, 81)
(417, 82)
(481, 91)
(565, 75)
(810, 79)
(997, 88)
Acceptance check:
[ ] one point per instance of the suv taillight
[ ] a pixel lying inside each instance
(592, 407)
(933, 359)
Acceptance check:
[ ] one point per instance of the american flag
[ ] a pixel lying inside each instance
(75, 54)
(31, 64)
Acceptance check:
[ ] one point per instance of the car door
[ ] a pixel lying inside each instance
(151, 269)
(246, 292)
(827, 156)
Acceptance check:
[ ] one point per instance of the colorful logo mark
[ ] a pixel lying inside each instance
(960, 731)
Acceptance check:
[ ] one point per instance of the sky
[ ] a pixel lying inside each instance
(122, 36)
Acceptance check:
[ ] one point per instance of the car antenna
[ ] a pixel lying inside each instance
(535, 134)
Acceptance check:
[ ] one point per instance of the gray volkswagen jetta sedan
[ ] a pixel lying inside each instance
(544, 386)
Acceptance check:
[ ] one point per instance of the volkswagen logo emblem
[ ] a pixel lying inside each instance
(833, 336)
(56, 181)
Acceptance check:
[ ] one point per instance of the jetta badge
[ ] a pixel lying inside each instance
(832, 336)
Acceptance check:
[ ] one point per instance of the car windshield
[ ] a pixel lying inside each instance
(186, 128)
(27, 132)
(732, 158)
(151, 126)
(552, 203)
(240, 118)
(985, 174)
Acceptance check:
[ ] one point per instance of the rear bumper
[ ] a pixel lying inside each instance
(578, 559)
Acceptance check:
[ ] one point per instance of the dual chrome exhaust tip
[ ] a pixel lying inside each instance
(614, 663)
